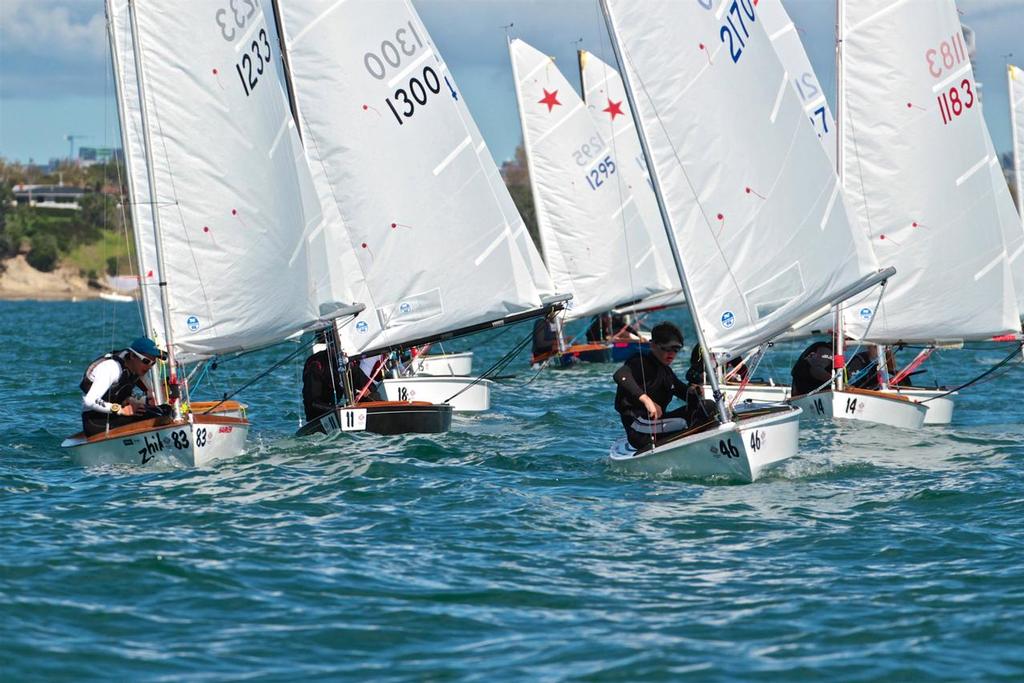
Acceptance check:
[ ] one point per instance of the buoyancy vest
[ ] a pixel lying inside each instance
(121, 389)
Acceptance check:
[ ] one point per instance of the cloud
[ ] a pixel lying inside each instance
(52, 47)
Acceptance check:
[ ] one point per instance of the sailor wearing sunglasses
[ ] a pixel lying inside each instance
(109, 381)
(646, 385)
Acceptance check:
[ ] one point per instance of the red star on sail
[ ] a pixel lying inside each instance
(550, 99)
(614, 108)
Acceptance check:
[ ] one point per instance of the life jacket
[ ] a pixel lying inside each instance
(121, 389)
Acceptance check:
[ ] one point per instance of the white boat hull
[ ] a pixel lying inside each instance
(193, 444)
(444, 365)
(742, 450)
(465, 394)
(940, 410)
(756, 393)
(862, 406)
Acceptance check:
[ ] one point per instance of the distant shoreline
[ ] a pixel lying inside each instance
(21, 282)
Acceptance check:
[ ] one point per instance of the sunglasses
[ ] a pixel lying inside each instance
(671, 348)
(144, 359)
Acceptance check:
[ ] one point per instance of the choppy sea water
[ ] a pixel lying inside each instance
(505, 549)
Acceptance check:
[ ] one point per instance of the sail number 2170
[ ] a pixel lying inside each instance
(735, 28)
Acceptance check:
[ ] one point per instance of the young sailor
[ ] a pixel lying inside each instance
(108, 383)
(646, 385)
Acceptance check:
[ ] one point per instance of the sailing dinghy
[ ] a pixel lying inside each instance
(220, 197)
(915, 159)
(740, 177)
(417, 216)
(593, 238)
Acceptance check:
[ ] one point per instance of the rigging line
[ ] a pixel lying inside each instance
(1013, 355)
(750, 373)
(835, 372)
(491, 338)
(181, 217)
(275, 366)
(496, 367)
(619, 183)
(860, 169)
(693, 190)
(108, 73)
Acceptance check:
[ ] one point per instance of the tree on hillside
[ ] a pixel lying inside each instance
(44, 254)
(7, 246)
(516, 174)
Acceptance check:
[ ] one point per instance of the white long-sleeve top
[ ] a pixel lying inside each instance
(103, 377)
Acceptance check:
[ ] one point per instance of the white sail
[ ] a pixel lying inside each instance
(1009, 224)
(133, 142)
(1015, 79)
(605, 95)
(754, 202)
(592, 234)
(235, 204)
(916, 158)
(405, 176)
(790, 49)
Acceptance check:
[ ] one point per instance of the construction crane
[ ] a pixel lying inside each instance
(71, 137)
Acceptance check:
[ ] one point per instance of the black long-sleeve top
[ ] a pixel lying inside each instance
(644, 374)
(317, 386)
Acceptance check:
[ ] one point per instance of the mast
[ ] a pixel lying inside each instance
(158, 238)
(147, 313)
(292, 104)
(838, 359)
(1018, 163)
(709, 366)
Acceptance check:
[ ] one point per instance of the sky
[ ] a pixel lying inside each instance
(55, 75)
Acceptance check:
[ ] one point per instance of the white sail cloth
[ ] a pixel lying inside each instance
(234, 200)
(410, 190)
(915, 168)
(790, 49)
(753, 199)
(1009, 223)
(593, 237)
(606, 100)
(1015, 80)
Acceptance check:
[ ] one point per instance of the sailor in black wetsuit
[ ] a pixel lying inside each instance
(646, 386)
(813, 368)
(320, 385)
(108, 383)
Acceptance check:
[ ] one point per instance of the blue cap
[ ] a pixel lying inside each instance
(148, 347)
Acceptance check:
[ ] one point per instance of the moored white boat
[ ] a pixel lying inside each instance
(193, 442)
(116, 297)
(444, 364)
(863, 405)
(464, 394)
(741, 450)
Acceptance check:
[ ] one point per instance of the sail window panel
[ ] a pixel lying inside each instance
(776, 292)
(415, 308)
